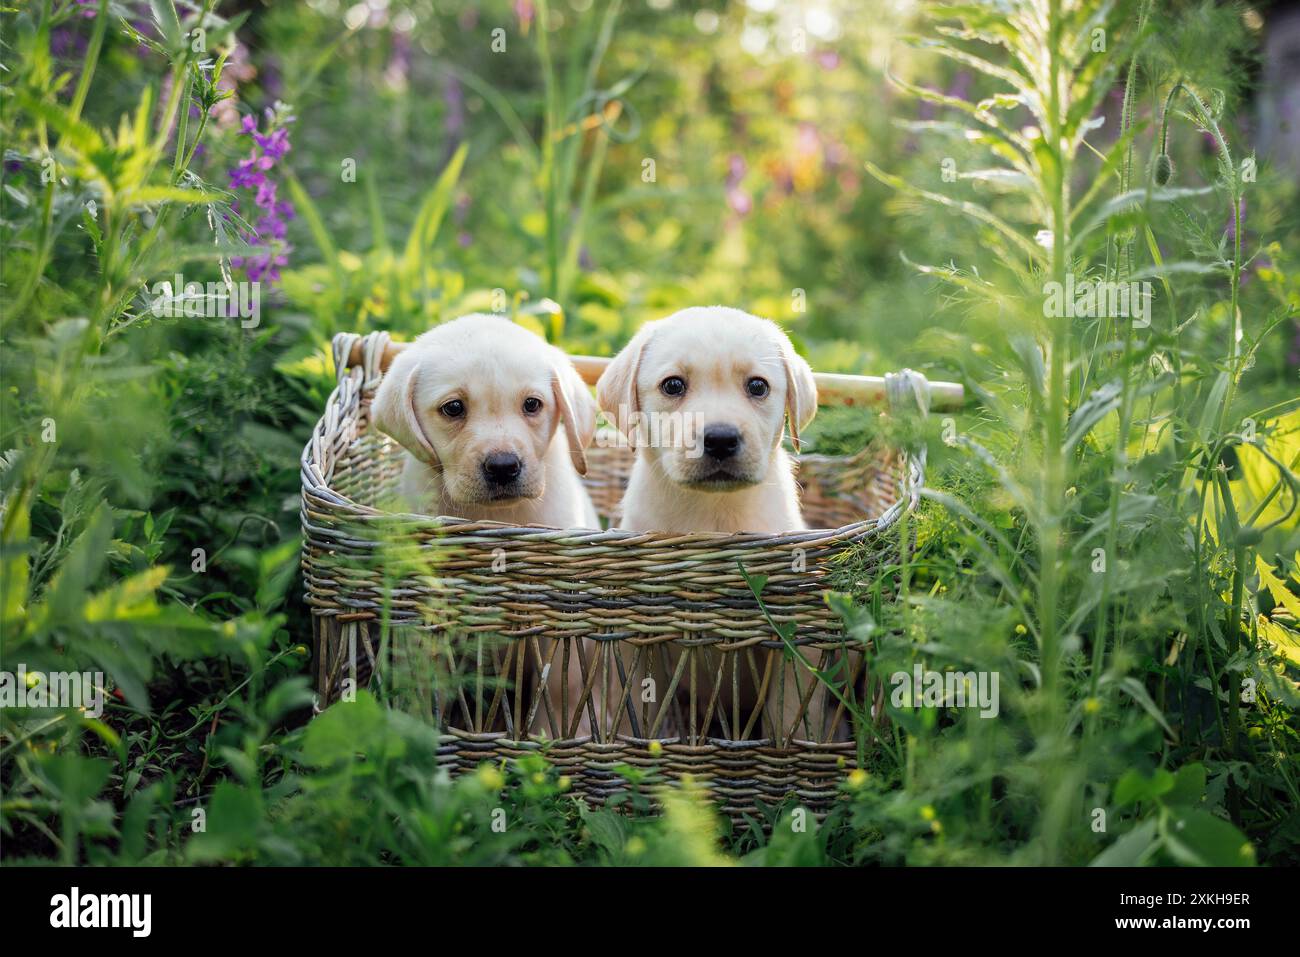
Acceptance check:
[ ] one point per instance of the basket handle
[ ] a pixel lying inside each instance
(373, 353)
(832, 388)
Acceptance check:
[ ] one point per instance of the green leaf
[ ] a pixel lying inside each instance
(74, 778)
(319, 233)
(1282, 595)
(1199, 839)
(67, 594)
(1135, 690)
(1134, 787)
(276, 568)
(1189, 785)
(1096, 407)
(1130, 850)
(169, 24)
(232, 822)
(432, 211)
(1135, 199)
(168, 194)
(973, 210)
(343, 731)
(756, 583)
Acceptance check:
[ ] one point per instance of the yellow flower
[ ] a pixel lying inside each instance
(635, 847)
(565, 782)
(1021, 630)
(928, 812)
(857, 778)
(656, 748)
(491, 778)
(1092, 705)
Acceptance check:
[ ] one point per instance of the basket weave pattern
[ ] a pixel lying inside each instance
(674, 666)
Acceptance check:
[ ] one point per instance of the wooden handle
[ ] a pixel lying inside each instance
(832, 388)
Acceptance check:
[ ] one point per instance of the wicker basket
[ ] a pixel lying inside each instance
(472, 608)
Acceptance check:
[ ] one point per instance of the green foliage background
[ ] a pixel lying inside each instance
(797, 173)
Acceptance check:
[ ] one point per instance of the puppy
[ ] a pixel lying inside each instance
(478, 404)
(705, 395)
(494, 422)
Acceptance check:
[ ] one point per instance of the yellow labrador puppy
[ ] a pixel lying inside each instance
(705, 395)
(494, 421)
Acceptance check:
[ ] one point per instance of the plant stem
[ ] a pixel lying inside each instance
(1123, 265)
(550, 130)
(92, 58)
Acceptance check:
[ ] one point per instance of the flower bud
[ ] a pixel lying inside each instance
(1163, 171)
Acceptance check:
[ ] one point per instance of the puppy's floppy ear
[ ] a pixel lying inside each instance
(577, 409)
(616, 389)
(393, 409)
(800, 389)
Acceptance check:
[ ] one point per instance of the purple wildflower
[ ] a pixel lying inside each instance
(737, 198)
(274, 146)
(271, 228)
(454, 116)
(525, 12)
(246, 175)
(961, 85)
(69, 43)
(399, 62)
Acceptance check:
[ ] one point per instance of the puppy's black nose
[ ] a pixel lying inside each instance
(721, 441)
(502, 467)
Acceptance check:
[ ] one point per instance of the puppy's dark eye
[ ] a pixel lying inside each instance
(757, 387)
(453, 409)
(532, 405)
(673, 385)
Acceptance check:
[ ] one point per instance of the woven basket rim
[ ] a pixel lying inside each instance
(908, 468)
(909, 483)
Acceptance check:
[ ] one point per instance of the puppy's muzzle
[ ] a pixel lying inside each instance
(721, 442)
(501, 471)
